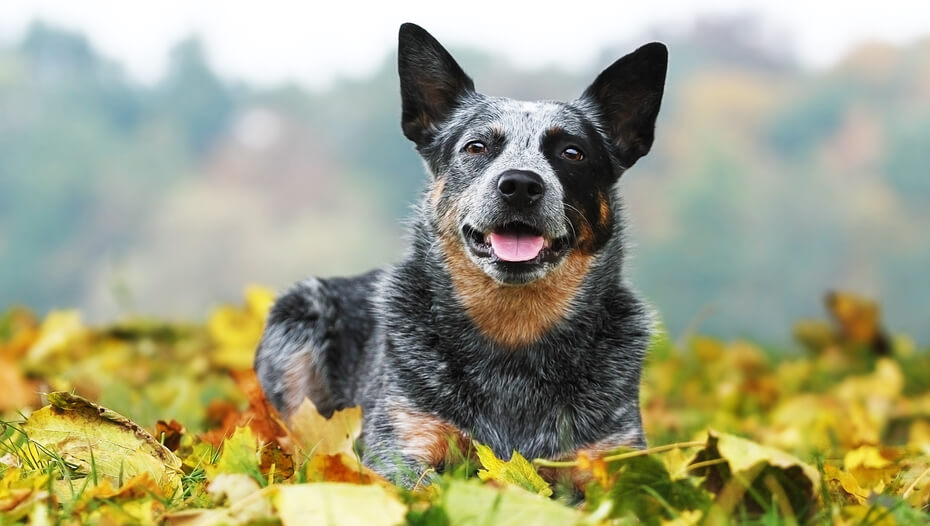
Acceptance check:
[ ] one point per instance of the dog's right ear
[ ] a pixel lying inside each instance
(431, 83)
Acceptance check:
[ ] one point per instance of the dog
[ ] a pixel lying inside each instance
(508, 320)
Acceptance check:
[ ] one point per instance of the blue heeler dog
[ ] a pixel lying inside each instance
(508, 320)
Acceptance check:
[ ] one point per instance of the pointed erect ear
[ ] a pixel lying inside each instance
(628, 95)
(431, 83)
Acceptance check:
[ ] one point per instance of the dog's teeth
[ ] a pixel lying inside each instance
(487, 239)
(547, 243)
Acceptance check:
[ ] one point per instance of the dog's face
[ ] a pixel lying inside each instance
(522, 185)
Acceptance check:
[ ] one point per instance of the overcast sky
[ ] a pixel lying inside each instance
(313, 40)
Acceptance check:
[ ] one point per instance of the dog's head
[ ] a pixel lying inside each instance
(521, 185)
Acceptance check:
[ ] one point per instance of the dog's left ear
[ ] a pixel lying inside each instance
(628, 95)
(431, 83)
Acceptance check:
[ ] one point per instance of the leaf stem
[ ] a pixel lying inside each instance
(706, 463)
(621, 456)
(913, 484)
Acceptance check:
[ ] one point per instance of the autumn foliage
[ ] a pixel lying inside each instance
(147, 422)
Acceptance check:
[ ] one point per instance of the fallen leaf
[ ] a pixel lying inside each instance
(870, 467)
(102, 443)
(18, 392)
(239, 455)
(594, 466)
(642, 486)
(241, 500)
(517, 471)
(58, 330)
(732, 465)
(258, 300)
(468, 502)
(836, 477)
(275, 463)
(261, 416)
(237, 330)
(315, 434)
(169, 433)
(337, 504)
(340, 468)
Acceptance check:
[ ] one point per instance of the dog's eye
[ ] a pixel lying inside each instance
(572, 154)
(475, 147)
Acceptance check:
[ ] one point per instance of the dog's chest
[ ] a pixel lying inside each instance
(538, 406)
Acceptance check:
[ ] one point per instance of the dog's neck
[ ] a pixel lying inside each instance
(514, 315)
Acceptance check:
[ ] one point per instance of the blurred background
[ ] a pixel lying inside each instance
(156, 159)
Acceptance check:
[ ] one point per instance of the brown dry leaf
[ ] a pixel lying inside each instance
(169, 433)
(221, 420)
(857, 318)
(340, 468)
(224, 417)
(18, 392)
(275, 463)
(316, 435)
(262, 417)
(25, 331)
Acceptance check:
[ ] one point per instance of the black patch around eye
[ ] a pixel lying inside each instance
(566, 147)
(586, 183)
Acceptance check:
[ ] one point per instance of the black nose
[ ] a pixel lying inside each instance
(520, 188)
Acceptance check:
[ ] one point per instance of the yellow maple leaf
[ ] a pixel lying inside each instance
(237, 330)
(517, 471)
(258, 301)
(871, 468)
(317, 435)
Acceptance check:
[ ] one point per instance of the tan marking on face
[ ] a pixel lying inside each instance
(427, 437)
(512, 315)
(604, 209)
(435, 193)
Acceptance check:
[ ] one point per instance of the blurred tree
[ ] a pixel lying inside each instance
(192, 97)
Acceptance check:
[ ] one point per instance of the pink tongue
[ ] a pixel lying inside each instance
(516, 247)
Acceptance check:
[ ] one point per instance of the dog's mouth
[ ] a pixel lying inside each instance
(514, 244)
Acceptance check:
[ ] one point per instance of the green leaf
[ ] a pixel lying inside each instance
(742, 471)
(643, 487)
(240, 455)
(467, 502)
(517, 471)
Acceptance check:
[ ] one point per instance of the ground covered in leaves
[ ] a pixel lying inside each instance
(154, 422)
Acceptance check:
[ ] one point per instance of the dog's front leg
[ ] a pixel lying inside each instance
(409, 446)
